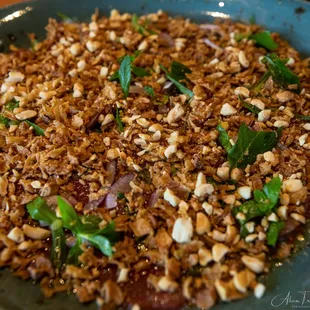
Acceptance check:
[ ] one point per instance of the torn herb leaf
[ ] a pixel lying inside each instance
(100, 242)
(37, 129)
(180, 86)
(178, 71)
(224, 138)
(124, 73)
(263, 203)
(4, 120)
(120, 195)
(40, 211)
(119, 120)
(138, 71)
(58, 252)
(281, 74)
(75, 252)
(273, 232)
(69, 216)
(11, 105)
(265, 40)
(125, 70)
(149, 91)
(141, 28)
(66, 18)
(114, 76)
(249, 144)
(252, 108)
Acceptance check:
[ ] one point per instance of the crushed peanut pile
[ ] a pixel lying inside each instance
(150, 162)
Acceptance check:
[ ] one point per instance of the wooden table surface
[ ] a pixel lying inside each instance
(8, 2)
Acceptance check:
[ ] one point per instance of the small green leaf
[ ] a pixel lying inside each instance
(281, 74)
(66, 18)
(139, 27)
(13, 104)
(249, 144)
(58, 252)
(120, 195)
(90, 223)
(75, 252)
(114, 76)
(263, 203)
(174, 171)
(37, 129)
(100, 242)
(40, 211)
(69, 216)
(4, 120)
(250, 209)
(178, 71)
(125, 75)
(303, 117)
(149, 91)
(240, 36)
(224, 138)
(265, 40)
(140, 72)
(252, 108)
(180, 86)
(273, 232)
(256, 88)
(119, 120)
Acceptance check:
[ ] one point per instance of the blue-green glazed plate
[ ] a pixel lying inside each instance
(288, 284)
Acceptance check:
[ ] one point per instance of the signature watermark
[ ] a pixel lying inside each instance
(300, 299)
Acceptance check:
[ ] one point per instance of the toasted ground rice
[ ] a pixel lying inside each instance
(63, 86)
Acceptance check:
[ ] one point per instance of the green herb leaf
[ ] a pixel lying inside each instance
(125, 75)
(280, 73)
(13, 104)
(40, 211)
(75, 252)
(37, 129)
(90, 223)
(4, 120)
(268, 198)
(66, 18)
(252, 108)
(114, 76)
(135, 23)
(100, 242)
(265, 40)
(263, 203)
(69, 216)
(149, 91)
(120, 195)
(119, 120)
(138, 71)
(180, 86)
(273, 232)
(250, 143)
(256, 88)
(303, 117)
(109, 232)
(140, 28)
(58, 253)
(224, 138)
(178, 71)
